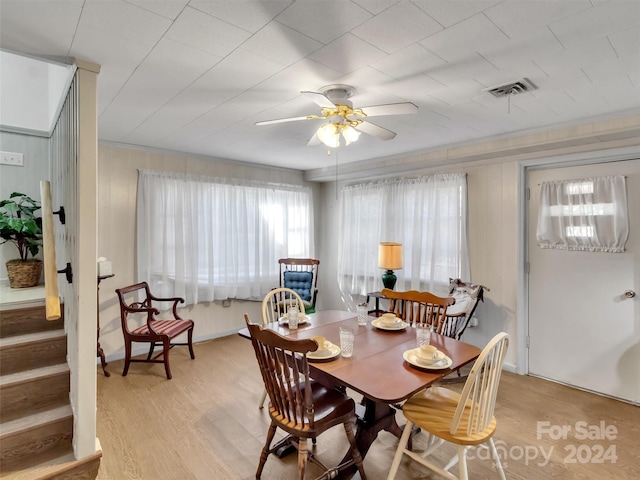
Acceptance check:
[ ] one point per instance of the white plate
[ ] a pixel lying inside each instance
(334, 351)
(301, 321)
(411, 357)
(398, 326)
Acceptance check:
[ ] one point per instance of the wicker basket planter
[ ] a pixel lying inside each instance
(24, 273)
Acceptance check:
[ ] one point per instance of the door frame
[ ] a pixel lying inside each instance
(524, 167)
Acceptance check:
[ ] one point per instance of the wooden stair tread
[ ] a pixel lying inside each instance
(64, 466)
(31, 338)
(27, 375)
(37, 470)
(35, 420)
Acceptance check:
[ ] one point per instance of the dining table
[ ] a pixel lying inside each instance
(377, 369)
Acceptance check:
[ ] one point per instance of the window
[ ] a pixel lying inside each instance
(428, 215)
(206, 239)
(586, 214)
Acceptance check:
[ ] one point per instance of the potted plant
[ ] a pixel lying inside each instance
(20, 225)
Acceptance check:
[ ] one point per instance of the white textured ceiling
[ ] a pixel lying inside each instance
(195, 75)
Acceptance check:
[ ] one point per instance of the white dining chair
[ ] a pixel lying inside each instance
(274, 306)
(464, 419)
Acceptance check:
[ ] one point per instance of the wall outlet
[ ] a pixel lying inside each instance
(12, 158)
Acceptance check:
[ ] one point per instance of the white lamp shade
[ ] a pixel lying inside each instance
(390, 255)
(329, 135)
(350, 134)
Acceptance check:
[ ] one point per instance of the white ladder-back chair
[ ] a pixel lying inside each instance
(274, 305)
(464, 419)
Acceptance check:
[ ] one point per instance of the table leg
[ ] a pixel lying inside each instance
(376, 312)
(100, 352)
(103, 360)
(377, 416)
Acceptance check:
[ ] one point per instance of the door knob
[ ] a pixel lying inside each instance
(629, 294)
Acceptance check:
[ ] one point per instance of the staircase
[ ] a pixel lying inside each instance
(36, 420)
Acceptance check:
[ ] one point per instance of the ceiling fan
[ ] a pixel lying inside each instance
(343, 118)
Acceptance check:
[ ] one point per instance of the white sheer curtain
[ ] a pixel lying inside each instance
(588, 214)
(206, 239)
(428, 215)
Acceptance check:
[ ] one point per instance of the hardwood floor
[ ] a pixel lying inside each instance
(205, 424)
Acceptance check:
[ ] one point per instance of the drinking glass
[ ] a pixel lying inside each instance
(362, 314)
(423, 334)
(293, 316)
(347, 335)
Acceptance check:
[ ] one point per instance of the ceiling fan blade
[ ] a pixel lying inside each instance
(376, 131)
(406, 108)
(315, 140)
(319, 99)
(283, 120)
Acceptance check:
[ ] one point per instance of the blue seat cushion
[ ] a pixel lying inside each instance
(300, 282)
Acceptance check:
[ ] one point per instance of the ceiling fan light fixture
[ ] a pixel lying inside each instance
(329, 134)
(341, 117)
(350, 134)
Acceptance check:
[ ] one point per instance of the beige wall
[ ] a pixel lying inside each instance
(117, 187)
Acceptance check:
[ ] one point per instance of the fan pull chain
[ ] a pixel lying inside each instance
(510, 94)
(336, 176)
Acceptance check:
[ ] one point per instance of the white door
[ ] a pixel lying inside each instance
(583, 330)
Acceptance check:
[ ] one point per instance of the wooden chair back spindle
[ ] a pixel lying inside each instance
(481, 388)
(420, 308)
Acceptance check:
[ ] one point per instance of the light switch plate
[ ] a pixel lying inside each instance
(12, 158)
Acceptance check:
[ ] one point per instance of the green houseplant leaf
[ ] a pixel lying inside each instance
(20, 225)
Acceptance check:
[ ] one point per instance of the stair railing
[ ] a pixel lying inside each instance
(52, 296)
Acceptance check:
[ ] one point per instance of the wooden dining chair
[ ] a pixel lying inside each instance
(274, 305)
(464, 419)
(301, 275)
(417, 307)
(137, 305)
(300, 406)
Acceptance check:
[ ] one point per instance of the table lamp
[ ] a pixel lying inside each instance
(390, 259)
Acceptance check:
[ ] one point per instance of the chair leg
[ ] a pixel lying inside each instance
(263, 398)
(151, 348)
(127, 357)
(265, 450)
(302, 457)
(400, 450)
(190, 336)
(496, 459)
(166, 345)
(357, 458)
(462, 457)
(452, 462)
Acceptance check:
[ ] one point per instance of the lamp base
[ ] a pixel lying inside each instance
(389, 279)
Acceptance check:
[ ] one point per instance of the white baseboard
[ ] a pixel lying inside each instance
(509, 367)
(143, 348)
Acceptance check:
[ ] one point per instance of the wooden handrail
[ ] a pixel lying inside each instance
(52, 300)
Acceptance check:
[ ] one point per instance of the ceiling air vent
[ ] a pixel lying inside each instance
(514, 88)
